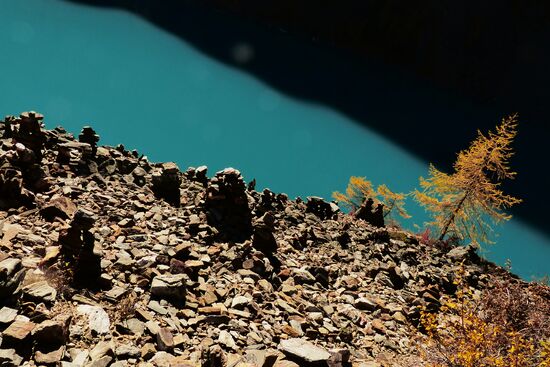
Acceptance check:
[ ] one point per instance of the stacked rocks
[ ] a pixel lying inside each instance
(77, 249)
(166, 183)
(89, 136)
(227, 205)
(27, 130)
(24, 154)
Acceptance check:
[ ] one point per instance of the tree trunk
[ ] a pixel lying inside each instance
(452, 218)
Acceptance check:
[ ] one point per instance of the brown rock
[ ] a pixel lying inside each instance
(262, 358)
(52, 332)
(148, 350)
(216, 357)
(166, 183)
(18, 332)
(378, 325)
(287, 329)
(171, 286)
(285, 363)
(49, 358)
(339, 357)
(165, 339)
(58, 207)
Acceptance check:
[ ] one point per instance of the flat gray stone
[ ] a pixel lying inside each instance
(115, 293)
(101, 350)
(458, 253)
(49, 358)
(9, 358)
(157, 307)
(135, 326)
(226, 339)
(79, 357)
(9, 266)
(304, 350)
(101, 362)
(11, 276)
(363, 303)
(152, 326)
(127, 351)
(7, 315)
(40, 291)
(169, 286)
(239, 302)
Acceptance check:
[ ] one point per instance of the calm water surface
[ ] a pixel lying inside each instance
(142, 87)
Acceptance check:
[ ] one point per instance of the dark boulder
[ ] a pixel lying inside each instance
(321, 208)
(166, 183)
(373, 216)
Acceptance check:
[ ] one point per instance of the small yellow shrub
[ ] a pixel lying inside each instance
(545, 354)
(460, 336)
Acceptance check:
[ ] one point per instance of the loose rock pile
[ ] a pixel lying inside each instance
(107, 259)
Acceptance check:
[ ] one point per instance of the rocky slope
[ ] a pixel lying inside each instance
(107, 259)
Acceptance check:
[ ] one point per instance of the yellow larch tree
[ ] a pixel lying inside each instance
(359, 189)
(393, 202)
(462, 202)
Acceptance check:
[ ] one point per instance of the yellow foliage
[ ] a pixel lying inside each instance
(458, 336)
(392, 201)
(359, 189)
(461, 202)
(545, 354)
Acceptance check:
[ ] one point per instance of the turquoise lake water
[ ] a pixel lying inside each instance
(140, 86)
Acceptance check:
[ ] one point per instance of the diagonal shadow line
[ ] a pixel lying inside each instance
(430, 121)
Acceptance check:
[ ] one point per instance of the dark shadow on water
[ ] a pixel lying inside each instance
(431, 122)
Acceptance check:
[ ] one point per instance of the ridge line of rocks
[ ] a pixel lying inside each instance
(107, 259)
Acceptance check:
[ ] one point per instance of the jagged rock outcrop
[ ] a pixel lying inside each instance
(21, 172)
(166, 183)
(373, 216)
(27, 130)
(321, 208)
